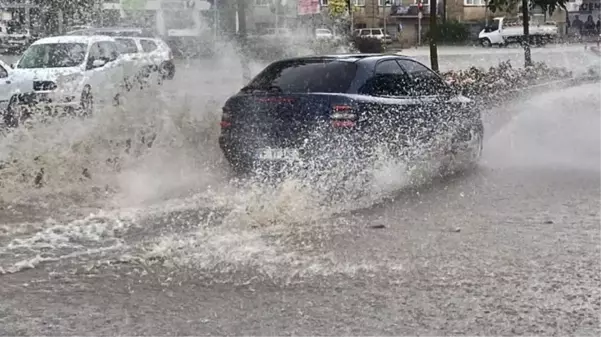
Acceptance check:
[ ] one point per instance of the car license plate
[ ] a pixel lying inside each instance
(278, 154)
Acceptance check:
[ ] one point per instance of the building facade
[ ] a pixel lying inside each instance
(402, 17)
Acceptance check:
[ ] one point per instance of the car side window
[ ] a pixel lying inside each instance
(425, 80)
(95, 54)
(3, 72)
(127, 46)
(109, 51)
(389, 79)
(388, 67)
(365, 32)
(148, 45)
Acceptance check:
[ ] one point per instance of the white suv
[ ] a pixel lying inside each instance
(73, 72)
(148, 53)
(374, 33)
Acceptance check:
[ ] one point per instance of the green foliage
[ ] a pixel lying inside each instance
(547, 5)
(451, 31)
(337, 8)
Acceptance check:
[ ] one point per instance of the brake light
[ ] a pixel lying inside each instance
(225, 118)
(343, 116)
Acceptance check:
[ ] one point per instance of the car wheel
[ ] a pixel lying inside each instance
(12, 113)
(167, 70)
(87, 101)
(486, 43)
(464, 155)
(117, 100)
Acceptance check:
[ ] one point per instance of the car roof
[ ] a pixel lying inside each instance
(74, 39)
(358, 57)
(141, 32)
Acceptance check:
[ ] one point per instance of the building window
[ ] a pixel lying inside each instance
(262, 2)
(324, 2)
(387, 2)
(474, 2)
(359, 3)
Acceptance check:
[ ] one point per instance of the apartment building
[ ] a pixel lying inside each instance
(264, 14)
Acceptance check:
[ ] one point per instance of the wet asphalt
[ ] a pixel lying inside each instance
(510, 248)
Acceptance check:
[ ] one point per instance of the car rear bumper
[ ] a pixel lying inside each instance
(248, 156)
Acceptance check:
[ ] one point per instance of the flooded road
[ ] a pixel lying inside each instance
(164, 245)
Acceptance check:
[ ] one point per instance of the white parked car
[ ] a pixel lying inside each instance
(73, 72)
(10, 84)
(374, 33)
(151, 54)
(323, 34)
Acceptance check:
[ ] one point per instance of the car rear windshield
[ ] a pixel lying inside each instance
(303, 76)
(53, 55)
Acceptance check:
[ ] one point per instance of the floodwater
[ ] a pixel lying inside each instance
(157, 240)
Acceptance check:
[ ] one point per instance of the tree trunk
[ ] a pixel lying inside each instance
(246, 76)
(444, 11)
(433, 36)
(526, 40)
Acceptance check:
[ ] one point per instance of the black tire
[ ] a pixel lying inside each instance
(167, 70)
(466, 153)
(486, 43)
(11, 115)
(87, 101)
(117, 100)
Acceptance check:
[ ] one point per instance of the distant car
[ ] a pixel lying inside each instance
(150, 54)
(374, 33)
(315, 109)
(72, 72)
(323, 34)
(10, 84)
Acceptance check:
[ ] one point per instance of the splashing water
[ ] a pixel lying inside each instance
(140, 167)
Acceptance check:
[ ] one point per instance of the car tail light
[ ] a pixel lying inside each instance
(343, 116)
(225, 118)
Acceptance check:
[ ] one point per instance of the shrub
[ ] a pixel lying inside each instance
(450, 32)
(368, 45)
(493, 85)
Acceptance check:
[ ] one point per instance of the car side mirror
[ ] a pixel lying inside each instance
(12, 65)
(98, 63)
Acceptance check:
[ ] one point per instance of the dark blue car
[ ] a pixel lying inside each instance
(312, 111)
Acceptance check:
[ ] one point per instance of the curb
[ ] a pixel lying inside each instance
(540, 88)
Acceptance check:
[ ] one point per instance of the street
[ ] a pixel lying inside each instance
(165, 245)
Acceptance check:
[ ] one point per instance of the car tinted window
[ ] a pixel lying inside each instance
(3, 72)
(127, 46)
(109, 50)
(389, 80)
(388, 67)
(53, 55)
(329, 76)
(148, 45)
(365, 32)
(425, 80)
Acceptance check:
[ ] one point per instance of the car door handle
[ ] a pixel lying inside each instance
(7, 81)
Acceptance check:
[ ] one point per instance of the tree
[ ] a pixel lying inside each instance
(546, 5)
(433, 36)
(338, 8)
